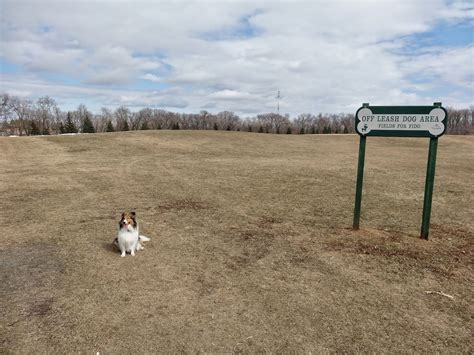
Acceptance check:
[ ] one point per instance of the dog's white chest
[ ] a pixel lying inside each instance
(128, 240)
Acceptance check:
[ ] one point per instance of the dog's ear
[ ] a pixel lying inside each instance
(123, 214)
(133, 214)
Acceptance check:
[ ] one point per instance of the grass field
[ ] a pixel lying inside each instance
(251, 248)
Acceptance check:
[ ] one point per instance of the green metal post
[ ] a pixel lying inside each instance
(429, 185)
(360, 178)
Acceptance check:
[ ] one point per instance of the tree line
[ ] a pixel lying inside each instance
(20, 116)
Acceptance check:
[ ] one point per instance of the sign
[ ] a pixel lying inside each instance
(401, 121)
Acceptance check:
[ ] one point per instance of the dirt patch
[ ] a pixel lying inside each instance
(301, 255)
(253, 243)
(453, 249)
(31, 275)
(461, 239)
(259, 238)
(25, 269)
(207, 285)
(78, 150)
(41, 307)
(183, 204)
(267, 222)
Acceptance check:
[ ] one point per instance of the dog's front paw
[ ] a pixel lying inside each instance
(123, 254)
(132, 253)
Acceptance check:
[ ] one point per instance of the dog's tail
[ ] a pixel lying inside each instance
(142, 238)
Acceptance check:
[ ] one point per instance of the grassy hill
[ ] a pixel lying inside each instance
(251, 251)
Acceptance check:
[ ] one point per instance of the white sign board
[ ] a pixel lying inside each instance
(380, 121)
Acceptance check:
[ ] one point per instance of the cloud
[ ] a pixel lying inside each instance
(151, 77)
(235, 55)
(229, 95)
(70, 96)
(441, 66)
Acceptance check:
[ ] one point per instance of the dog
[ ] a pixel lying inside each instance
(129, 239)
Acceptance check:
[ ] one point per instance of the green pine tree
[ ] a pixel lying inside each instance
(313, 130)
(228, 128)
(125, 126)
(87, 126)
(302, 130)
(144, 126)
(345, 130)
(69, 127)
(260, 130)
(110, 127)
(61, 128)
(249, 129)
(215, 126)
(288, 130)
(34, 130)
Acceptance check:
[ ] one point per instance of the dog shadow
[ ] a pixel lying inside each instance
(110, 247)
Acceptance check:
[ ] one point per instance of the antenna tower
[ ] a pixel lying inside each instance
(278, 102)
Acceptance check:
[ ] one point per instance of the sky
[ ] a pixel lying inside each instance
(189, 56)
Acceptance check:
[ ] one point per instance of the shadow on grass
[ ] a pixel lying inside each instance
(110, 247)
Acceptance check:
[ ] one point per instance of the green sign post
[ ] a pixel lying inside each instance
(401, 121)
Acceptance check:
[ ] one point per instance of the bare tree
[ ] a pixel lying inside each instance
(164, 120)
(80, 115)
(303, 122)
(101, 120)
(321, 122)
(466, 124)
(143, 118)
(347, 121)
(59, 118)
(46, 109)
(460, 121)
(23, 110)
(273, 122)
(227, 120)
(204, 120)
(122, 117)
(5, 108)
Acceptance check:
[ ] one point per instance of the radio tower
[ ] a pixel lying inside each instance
(278, 103)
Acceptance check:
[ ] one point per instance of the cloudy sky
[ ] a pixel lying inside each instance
(187, 56)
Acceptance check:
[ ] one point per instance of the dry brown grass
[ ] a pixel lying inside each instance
(251, 249)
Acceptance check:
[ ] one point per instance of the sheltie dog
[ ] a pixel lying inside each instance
(129, 238)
